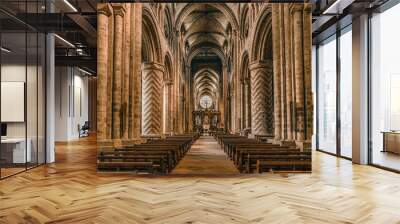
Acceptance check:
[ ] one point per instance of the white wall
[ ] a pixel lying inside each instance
(71, 102)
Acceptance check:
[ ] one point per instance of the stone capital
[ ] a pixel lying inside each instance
(261, 64)
(118, 9)
(168, 82)
(152, 66)
(296, 7)
(104, 8)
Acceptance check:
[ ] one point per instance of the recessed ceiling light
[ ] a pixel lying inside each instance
(65, 41)
(85, 72)
(70, 5)
(5, 50)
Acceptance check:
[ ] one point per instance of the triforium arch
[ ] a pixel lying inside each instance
(152, 76)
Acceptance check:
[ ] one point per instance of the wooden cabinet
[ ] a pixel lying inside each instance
(391, 142)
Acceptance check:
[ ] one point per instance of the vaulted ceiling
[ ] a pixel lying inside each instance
(205, 24)
(205, 35)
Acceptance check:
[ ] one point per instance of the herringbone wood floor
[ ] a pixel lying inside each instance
(70, 191)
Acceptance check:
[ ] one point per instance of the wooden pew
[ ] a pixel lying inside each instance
(165, 156)
(284, 165)
(250, 163)
(159, 161)
(242, 150)
(121, 166)
(174, 152)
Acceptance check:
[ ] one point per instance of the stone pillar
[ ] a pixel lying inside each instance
(298, 70)
(224, 102)
(242, 105)
(247, 103)
(307, 48)
(276, 40)
(152, 73)
(288, 72)
(170, 111)
(110, 72)
(136, 75)
(103, 12)
(127, 70)
(119, 11)
(191, 101)
(167, 107)
(261, 98)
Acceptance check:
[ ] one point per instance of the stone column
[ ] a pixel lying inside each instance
(110, 72)
(136, 75)
(288, 72)
(224, 102)
(242, 105)
(152, 73)
(247, 103)
(276, 39)
(307, 48)
(298, 70)
(167, 107)
(170, 117)
(103, 12)
(191, 101)
(127, 70)
(119, 11)
(261, 98)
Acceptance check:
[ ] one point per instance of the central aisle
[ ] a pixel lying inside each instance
(205, 157)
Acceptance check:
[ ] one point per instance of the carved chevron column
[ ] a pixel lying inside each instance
(152, 94)
(262, 103)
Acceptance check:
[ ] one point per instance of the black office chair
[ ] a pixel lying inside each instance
(84, 130)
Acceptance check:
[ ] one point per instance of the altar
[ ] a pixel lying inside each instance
(206, 121)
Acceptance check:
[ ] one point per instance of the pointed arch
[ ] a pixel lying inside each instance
(262, 37)
(151, 44)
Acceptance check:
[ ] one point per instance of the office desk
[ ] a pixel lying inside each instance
(391, 141)
(13, 150)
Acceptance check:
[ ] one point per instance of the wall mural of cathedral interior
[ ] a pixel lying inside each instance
(172, 70)
(203, 111)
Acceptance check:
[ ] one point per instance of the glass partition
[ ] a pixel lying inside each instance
(385, 89)
(22, 88)
(14, 153)
(346, 93)
(327, 95)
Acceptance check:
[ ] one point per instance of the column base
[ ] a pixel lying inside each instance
(105, 145)
(128, 142)
(304, 145)
(288, 143)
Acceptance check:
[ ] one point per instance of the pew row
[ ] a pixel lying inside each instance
(155, 156)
